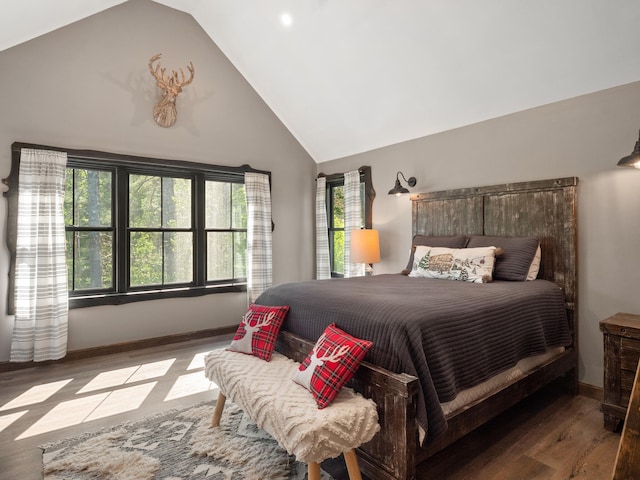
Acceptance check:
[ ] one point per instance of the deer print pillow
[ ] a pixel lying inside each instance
(258, 331)
(334, 359)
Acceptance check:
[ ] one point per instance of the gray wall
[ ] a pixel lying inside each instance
(583, 137)
(87, 86)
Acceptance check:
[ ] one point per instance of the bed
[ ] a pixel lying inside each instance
(428, 401)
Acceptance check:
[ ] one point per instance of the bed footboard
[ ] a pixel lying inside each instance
(391, 455)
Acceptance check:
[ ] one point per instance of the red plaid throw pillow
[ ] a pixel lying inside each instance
(258, 330)
(334, 359)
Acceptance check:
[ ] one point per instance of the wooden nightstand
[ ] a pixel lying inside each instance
(621, 354)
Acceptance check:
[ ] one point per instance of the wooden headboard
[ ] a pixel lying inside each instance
(544, 208)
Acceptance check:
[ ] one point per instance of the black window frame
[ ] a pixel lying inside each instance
(336, 180)
(122, 165)
(113, 228)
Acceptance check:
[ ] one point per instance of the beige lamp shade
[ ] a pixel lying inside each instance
(365, 246)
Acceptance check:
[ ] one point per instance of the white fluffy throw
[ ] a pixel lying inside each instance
(287, 411)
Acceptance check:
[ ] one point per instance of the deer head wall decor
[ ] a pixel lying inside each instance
(165, 112)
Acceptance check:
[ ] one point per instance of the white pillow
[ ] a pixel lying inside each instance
(535, 266)
(464, 264)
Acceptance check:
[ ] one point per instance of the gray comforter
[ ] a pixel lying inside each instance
(450, 335)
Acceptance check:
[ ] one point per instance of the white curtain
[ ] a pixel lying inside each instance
(352, 220)
(41, 297)
(259, 246)
(323, 264)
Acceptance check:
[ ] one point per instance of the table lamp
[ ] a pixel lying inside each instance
(365, 248)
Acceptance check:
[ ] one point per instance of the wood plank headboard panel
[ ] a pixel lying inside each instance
(544, 208)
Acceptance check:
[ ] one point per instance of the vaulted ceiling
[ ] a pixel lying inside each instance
(348, 76)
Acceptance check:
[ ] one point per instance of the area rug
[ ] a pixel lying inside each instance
(175, 445)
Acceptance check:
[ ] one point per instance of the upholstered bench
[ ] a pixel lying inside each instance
(288, 412)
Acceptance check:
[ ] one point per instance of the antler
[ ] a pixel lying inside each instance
(184, 82)
(262, 321)
(265, 319)
(174, 82)
(158, 72)
(314, 350)
(246, 318)
(334, 355)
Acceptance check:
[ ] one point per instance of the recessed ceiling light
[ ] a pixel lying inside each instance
(286, 19)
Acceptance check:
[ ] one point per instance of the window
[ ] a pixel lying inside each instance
(139, 228)
(89, 228)
(335, 220)
(335, 214)
(226, 228)
(160, 233)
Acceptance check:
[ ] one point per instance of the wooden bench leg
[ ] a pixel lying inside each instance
(313, 471)
(352, 465)
(217, 413)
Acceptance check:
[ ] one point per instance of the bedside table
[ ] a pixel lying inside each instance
(621, 354)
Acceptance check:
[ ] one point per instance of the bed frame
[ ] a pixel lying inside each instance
(546, 209)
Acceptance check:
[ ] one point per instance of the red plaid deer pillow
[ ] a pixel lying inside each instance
(333, 361)
(258, 331)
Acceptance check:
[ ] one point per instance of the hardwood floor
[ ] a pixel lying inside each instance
(550, 436)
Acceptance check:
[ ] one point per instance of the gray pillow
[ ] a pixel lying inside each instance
(518, 253)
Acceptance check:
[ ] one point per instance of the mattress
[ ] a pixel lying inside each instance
(470, 395)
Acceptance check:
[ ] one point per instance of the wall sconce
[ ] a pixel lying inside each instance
(398, 189)
(365, 248)
(632, 160)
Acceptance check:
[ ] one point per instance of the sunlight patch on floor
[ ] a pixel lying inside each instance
(197, 361)
(65, 414)
(123, 400)
(151, 370)
(92, 407)
(189, 384)
(113, 378)
(6, 420)
(36, 394)
(121, 376)
(105, 394)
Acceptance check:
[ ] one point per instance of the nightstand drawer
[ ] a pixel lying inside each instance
(629, 354)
